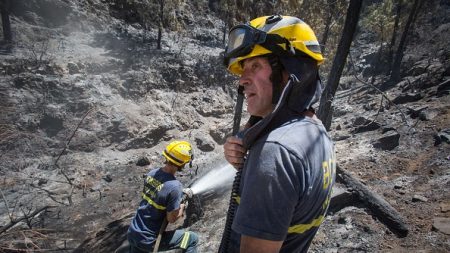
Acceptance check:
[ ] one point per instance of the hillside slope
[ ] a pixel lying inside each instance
(88, 103)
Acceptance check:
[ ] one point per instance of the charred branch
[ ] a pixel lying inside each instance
(26, 218)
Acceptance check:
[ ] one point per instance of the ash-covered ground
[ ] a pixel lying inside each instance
(88, 105)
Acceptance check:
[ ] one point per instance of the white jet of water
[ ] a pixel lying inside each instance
(218, 177)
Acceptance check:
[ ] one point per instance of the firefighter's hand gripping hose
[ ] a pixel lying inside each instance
(223, 248)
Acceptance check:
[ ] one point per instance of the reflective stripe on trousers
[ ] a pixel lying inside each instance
(185, 241)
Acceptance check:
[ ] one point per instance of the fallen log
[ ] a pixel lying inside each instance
(340, 198)
(377, 206)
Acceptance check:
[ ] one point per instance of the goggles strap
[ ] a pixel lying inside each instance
(272, 43)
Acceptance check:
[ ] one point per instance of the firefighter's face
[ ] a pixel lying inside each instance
(258, 86)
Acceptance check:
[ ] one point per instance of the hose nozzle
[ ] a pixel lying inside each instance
(188, 193)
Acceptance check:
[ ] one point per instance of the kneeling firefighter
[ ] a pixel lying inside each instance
(285, 158)
(162, 202)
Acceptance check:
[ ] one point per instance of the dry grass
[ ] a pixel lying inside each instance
(32, 240)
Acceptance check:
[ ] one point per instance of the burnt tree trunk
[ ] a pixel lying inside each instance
(226, 24)
(160, 23)
(6, 24)
(378, 64)
(328, 21)
(395, 73)
(351, 20)
(390, 57)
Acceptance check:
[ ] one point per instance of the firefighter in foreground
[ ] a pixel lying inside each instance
(286, 156)
(161, 199)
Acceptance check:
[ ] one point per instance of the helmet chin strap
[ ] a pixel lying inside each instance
(303, 71)
(276, 77)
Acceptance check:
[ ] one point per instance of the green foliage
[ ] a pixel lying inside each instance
(148, 12)
(379, 18)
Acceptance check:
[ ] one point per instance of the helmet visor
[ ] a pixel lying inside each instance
(241, 40)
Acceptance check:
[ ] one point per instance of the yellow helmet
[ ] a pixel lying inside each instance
(178, 153)
(280, 35)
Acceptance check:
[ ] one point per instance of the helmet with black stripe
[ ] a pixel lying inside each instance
(178, 153)
(279, 35)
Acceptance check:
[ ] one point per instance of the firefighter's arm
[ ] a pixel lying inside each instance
(175, 214)
(252, 244)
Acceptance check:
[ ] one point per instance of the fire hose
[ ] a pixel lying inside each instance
(161, 231)
(223, 248)
(187, 194)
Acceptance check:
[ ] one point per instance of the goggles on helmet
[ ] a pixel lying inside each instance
(241, 40)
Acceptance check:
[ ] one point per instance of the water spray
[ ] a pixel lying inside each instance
(216, 180)
(212, 184)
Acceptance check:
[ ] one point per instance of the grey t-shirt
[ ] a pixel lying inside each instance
(286, 185)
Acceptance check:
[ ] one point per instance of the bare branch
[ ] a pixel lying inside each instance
(378, 90)
(50, 195)
(7, 206)
(69, 197)
(350, 91)
(36, 238)
(34, 250)
(25, 217)
(73, 134)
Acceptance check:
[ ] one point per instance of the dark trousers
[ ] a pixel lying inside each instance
(177, 239)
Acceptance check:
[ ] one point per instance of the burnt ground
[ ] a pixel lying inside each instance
(122, 101)
(410, 171)
(412, 177)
